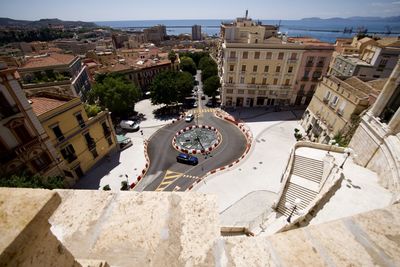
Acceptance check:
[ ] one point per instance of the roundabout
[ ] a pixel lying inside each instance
(197, 139)
(214, 141)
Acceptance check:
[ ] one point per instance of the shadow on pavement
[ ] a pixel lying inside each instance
(91, 180)
(257, 114)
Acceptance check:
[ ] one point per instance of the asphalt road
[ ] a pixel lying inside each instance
(166, 174)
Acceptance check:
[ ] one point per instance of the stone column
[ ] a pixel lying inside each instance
(387, 92)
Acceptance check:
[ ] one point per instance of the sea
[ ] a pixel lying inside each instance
(324, 30)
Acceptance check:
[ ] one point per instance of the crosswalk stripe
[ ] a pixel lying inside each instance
(169, 178)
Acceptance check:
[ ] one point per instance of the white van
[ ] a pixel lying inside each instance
(129, 125)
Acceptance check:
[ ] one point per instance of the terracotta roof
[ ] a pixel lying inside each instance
(48, 60)
(41, 105)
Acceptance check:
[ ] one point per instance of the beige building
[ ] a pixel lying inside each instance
(79, 140)
(259, 68)
(55, 72)
(337, 102)
(372, 60)
(24, 144)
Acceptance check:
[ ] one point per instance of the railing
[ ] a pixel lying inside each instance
(25, 147)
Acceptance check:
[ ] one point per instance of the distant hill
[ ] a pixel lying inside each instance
(357, 18)
(7, 22)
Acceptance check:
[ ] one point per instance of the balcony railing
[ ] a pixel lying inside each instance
(23, 148)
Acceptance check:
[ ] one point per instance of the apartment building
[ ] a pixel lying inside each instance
(375, 59)
(75, 47)
(55, 72)
(24, 144)
(335, 104)
(196, 32)
(155, 34)
(79, 140)
(314, 64)
(259, 68)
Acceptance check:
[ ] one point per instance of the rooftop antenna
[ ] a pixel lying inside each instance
(247, 13)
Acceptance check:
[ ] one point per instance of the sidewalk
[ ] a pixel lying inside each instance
(262, 168)
(128, 162)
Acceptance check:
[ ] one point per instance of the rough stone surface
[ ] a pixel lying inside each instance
(25, 236)
(138, 229)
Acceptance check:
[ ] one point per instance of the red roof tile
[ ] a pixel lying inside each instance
(41, 105)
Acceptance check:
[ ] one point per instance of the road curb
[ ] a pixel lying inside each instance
(146, 155)
(249, 140)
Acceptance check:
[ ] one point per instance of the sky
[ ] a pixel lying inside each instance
(106, 10)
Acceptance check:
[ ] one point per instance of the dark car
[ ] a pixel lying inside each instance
(186, 158)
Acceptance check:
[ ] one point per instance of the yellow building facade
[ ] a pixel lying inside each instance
(335, 104)
(79, 140)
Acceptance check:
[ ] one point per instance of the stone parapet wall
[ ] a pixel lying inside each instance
(103, 228)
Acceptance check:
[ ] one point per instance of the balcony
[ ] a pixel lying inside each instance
(9, 111)
(21, 149)
(231, 59)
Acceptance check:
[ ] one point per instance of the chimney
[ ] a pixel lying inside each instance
(247, 13)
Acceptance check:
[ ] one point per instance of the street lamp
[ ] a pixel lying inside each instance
(331, 143)
(347, 153)
(289, 205)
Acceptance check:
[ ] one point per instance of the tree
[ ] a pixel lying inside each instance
(208, 72)
(211, 86)
(116, 94)
(171, 87)
(172, 56)
(187, 64)
(28, 181)
(206, 62)
(195, 56)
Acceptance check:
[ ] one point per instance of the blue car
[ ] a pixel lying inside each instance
(186, 158)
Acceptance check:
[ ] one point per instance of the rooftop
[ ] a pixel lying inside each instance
(48, 60)
(309, 41)
(46, 102)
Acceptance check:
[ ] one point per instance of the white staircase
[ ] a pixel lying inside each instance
(303, 183)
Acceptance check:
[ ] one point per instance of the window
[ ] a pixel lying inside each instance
(106, 129)
(302, 87)
(269, 55)
(240, 92)
(80, 120)
(321, 61)
(41, 162)
(287, 82)
(293, 56)
(327, 95)
(231, 67)
(310, 61)
(253, 80)
(312, 89)
(22, 133)
(94, 153)
(264, 81)
(278, 69)
(280, 55)
(58, 133)
(232, 54)
(290, 69)
(255, 68)
(335, 100)
(275, 81)
(89, 141)
(229, 91)
(257, 55)
(243, 67)
(245, 55)
(230, 80)
(68, 153)
(266, 68)
(242, 79)
(109, 140)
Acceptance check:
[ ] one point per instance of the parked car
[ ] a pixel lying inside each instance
(129, 125)
(195, 105)
(189, 117)
(187, 159)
